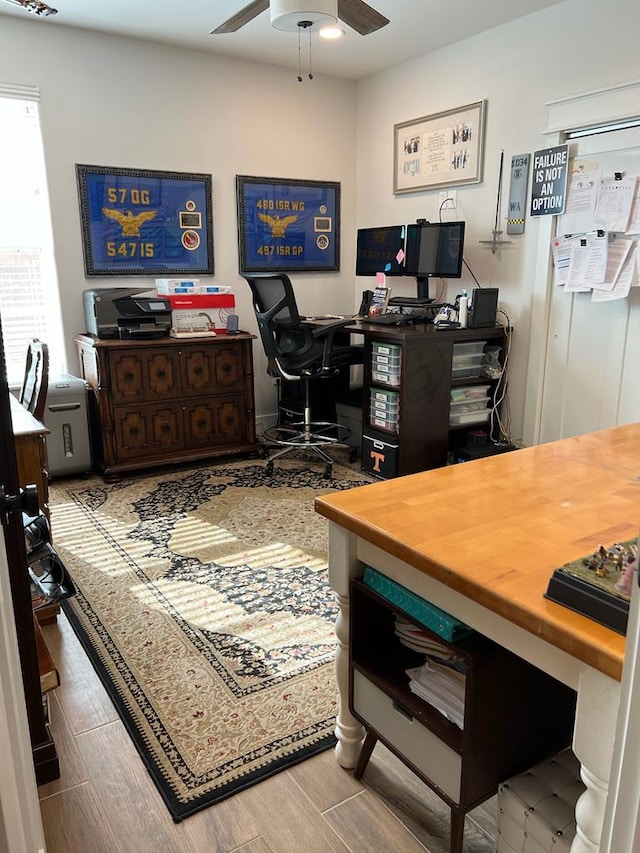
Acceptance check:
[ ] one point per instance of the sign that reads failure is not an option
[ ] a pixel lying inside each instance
(549, 185)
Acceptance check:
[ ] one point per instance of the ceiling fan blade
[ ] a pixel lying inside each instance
(242, 17)
(360, 16)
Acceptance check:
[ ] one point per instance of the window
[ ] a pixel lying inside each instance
(29, 298)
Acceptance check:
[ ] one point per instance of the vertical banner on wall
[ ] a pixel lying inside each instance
(518, 193)
(549, 184)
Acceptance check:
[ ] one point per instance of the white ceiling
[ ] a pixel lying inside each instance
(417, 27)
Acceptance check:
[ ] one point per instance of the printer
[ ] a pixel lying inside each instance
(126, 312)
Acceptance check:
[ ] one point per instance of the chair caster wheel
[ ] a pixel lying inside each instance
(328, 471)
(353, 455)
(268, 468)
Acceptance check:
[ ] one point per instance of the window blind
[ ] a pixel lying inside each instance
(29, 298)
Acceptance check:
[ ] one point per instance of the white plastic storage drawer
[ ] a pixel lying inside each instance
(388, 350)
(386, 362)
(383, 420)
(430, 755)
(469, 348)
(384, 402)
(470, 405)
(464, 418)
(466, 366)
(469, 393)
(387, 378)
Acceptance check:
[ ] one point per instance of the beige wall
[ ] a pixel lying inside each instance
(119, 102)
(575, 47)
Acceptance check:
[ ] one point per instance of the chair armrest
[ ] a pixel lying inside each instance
(328, 332)
(330, 329)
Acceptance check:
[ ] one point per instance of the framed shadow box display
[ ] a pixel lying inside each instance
(145, 222)
(288, 225)
(441, 150)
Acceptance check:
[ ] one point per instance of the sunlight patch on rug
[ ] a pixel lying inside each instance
(204, 604)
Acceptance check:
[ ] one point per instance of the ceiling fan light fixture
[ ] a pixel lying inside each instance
(290, 15)
(331, 32)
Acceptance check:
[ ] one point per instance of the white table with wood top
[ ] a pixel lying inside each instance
(481, 540)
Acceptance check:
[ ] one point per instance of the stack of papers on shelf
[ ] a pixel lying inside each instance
(420, 641)
(442, 687)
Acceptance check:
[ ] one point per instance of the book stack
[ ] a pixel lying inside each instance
(441, 686)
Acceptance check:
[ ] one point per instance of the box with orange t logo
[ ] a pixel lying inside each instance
(379, 457)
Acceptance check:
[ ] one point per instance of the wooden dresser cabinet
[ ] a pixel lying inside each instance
(168, 400)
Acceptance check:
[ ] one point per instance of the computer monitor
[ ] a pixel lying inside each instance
(380, 250)
(433, 250)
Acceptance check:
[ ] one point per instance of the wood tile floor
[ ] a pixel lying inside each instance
(105, 802)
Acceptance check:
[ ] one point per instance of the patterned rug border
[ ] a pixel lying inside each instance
(78, 610)
(176, 808)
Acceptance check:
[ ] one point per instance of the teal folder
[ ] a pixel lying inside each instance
(427, 614)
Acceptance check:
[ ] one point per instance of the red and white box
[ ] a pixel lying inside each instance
(201, 313)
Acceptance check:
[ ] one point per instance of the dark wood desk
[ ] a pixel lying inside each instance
(31, 455)
(425, 434)
(481, 540)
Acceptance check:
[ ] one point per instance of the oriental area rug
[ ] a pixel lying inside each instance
(203, 603)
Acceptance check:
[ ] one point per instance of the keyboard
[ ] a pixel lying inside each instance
(395, 318)
(391, 319)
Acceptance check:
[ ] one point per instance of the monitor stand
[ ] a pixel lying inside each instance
(420, 301)
(410, 301)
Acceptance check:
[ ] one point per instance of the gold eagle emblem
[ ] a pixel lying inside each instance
(278, 224)
(129, 222)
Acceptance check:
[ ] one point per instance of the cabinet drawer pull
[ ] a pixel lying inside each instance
(129, 377)
(162, 374)
(135, 431)
(165, 428)
(226, 368)
(402, 712)
(198, 371)
(202, 423)
(230, 421)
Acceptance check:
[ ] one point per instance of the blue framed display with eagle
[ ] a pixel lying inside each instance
(145, 222)
(288, 225)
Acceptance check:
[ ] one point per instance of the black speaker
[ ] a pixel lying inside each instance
(484, 308)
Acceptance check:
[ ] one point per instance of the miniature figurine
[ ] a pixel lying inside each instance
(630, 561)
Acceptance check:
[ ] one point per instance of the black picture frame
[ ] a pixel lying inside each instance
(287, 225)
(145, 222)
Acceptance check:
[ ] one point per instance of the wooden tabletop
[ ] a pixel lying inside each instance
(496, 528)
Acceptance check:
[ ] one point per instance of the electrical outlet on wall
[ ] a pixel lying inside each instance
(448, 200)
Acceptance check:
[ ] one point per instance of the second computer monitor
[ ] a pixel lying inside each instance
(433, 250)
(380, 250)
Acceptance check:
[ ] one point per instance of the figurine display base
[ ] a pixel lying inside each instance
(588, 599)
(599, 585)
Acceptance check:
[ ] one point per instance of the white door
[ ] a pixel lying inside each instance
(20, 822)
(592, 368)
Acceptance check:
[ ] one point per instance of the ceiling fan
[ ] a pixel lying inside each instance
(35, 6)
(292, 15)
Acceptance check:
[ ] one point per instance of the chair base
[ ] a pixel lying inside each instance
(306, 435)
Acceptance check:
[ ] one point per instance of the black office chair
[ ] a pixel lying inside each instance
(298, 352)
